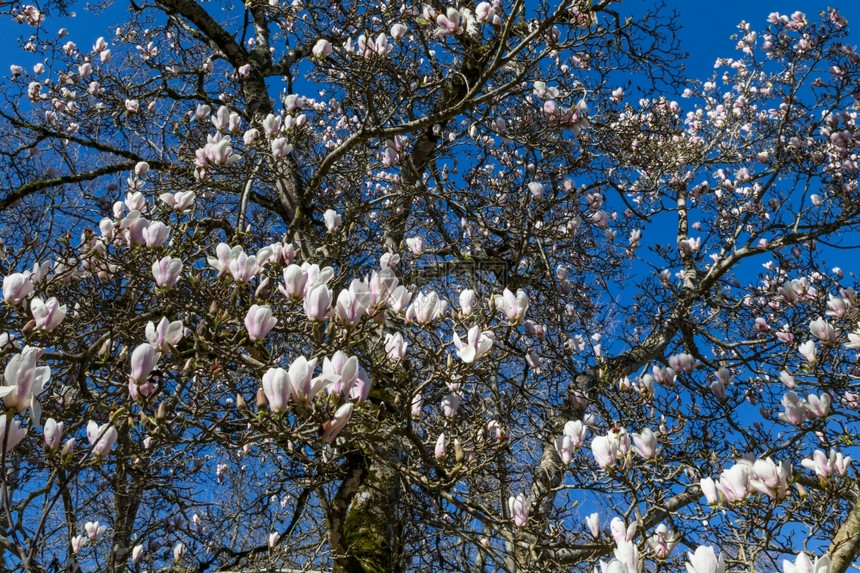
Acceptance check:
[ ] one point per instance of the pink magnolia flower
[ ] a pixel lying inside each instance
(705, 560)
(441, 446)
(564, 448)
(259, 322)
(180, 201)
(48, 314)
(322, 49)
(352, 303)
(276, 387)
(450, 405)
(156, 234)
(425, 308)
(807, 350)
(295, 279)
(395, 346)
(303, 387)
(417, 405)
(78, 542)
(825, 466)
(178, 551)
(101, 438)
(514, 306)
(822, 329)
(143, 361)
(593, 524)
(646, 443)
(137, 553)
(17, 287)
(341, 373)
(794, 413)
(519, 508)
(398, 30)
(332, 219)
(628, 554)
(478, 343)
(166, 272)
(709, 490)
(334, 426)
(467, 302)
(23, 381)
(575, 430)
(415, 244)
(317, 303)
(15, 435)
(817, 406)
(663, 541)
(165, 335)
(53, 432)
(734, 483)
(802, 564)
(94, 530)
(770, 478)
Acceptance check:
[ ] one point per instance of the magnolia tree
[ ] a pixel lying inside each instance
(374, 287)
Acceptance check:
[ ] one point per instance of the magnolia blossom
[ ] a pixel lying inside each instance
(450, 405)
(807, 350)
(646, 443)
(94, 530)
(514, 306)
(802, 564)
(417, 405)
(610, 448)
(794, 413)
(663, 541)
(478, 343)
(441, 446)
(322, 49)
(823, 330)
(23, 381)
(276, 387)
(53, 433)
(15, 435)
(519, 508)
(180, 201)
(467, 302)
(593, 524)
(163, 336)
(415, 244)
(143, 361)
(425, 308)
(318, 302)
(705, 561)
(770, 478)
(101, 438)
(47, 314)
(734, 484)
(241, 266)
(16, 287)
(395, 346)
(825, 466)
(341, 373)
(333, 427)
(259, 322)
(166, 272)
(332, 219)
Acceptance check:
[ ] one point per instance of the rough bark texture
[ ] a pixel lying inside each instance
(845, 547)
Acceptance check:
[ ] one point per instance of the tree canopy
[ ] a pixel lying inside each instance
(366, 287)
